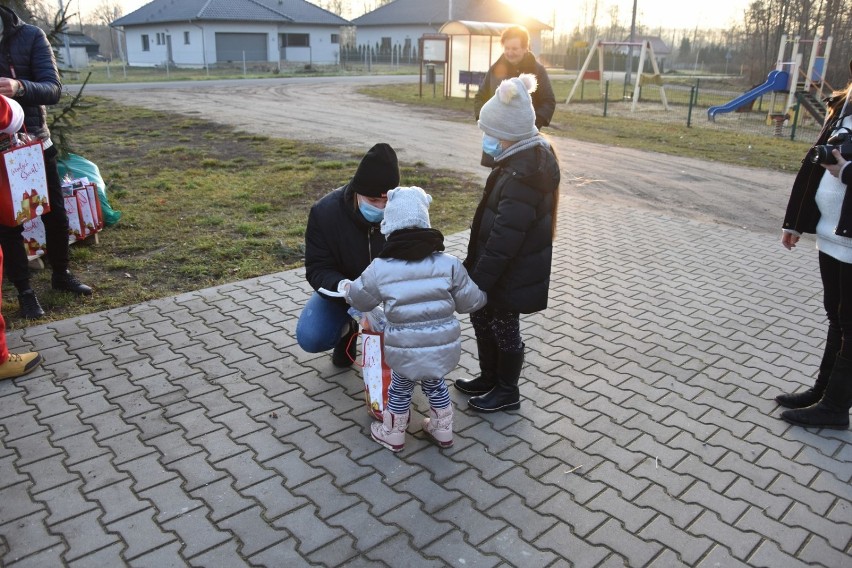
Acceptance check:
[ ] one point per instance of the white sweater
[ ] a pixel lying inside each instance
(829, 199)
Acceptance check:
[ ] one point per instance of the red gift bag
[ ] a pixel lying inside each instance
(377, 374)
(35, 238)
(23, 184)
(76, 227)
(95, 203)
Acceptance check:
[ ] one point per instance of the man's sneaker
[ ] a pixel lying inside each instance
(18, 365)
(67, 282)
(30, 307)
(344, 352)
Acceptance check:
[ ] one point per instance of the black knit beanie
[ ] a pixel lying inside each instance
(377, 173)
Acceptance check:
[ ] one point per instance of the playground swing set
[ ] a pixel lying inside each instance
(787, 83)
(646, 52)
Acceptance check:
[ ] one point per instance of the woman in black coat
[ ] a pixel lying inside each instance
(341, 239)
(511, 241)
(821, 203)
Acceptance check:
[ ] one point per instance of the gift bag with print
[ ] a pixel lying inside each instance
(87, 217)
(23, 184)
(35, 238)
(377, 374)
(76, 227)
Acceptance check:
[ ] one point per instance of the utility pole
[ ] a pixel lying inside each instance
(68, 61)
(629, 76)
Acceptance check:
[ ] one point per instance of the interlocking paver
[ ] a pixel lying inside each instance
(193, 430)
(311, 532)
(84, 535)
(140, 533)
(688, 548)
(637, 551)
(146, 471)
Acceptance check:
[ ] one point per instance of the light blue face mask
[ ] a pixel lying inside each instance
(491, 146)
(371, 213)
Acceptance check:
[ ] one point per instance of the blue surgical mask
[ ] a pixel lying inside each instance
(371, 213)
(491, 146)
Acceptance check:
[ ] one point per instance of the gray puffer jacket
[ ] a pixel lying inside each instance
(422, 336)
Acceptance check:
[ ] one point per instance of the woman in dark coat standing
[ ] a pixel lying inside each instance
(511, 240)
(821, 203)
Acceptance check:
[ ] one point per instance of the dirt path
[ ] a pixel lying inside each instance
(331, 112)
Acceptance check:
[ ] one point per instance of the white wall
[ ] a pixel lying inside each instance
(79, 57)
(201, 50)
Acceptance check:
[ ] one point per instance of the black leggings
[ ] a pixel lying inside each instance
(837, 299)
(502, 327)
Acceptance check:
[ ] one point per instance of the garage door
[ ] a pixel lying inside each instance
(231, 46)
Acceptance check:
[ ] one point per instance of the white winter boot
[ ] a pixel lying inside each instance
(439, 426)
(390, 432)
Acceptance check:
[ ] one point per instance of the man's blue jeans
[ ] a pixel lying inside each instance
(322, 323)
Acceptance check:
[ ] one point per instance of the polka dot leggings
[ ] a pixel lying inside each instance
(504, 328)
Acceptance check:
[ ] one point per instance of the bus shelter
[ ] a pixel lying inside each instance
(473, 48)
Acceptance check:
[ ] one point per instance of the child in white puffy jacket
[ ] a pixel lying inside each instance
(421, 288)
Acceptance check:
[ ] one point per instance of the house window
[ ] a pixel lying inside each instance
(295, 40)
(161, 38)
(386, 44)
(146, 43)
(335, 38)
(186, 38)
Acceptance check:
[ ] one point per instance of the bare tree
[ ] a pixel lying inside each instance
(106, 12)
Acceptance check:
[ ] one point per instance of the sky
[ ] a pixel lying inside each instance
(653, 14)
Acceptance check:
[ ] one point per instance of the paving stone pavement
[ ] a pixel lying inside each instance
(192, 430)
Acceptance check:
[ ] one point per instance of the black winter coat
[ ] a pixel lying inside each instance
(25, 55)
(543, 99)
(802, 212)
(339, 242)
(511, 237)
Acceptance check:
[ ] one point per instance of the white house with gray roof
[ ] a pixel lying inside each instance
(399, 24)
(198, 33)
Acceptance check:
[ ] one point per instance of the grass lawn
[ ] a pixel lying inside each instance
(203, 205)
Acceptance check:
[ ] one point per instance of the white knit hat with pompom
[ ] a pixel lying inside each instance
(407, 208)
(509, 114)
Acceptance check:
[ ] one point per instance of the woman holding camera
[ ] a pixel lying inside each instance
(821, 203)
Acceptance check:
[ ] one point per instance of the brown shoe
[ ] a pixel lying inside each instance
(19, 365)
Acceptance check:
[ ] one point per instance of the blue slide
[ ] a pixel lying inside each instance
(775, 81)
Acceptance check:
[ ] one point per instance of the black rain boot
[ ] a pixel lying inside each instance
(814, 394)
(506, 395)
(832, 411)
(29, 304)
(344, 352)
(64, 281)
(487, 350)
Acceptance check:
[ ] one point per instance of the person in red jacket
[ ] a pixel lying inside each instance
(12, 364)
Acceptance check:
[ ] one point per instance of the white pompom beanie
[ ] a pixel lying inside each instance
(407, 208)
(509, 114)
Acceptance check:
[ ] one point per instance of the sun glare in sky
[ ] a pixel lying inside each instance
(652, 14)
